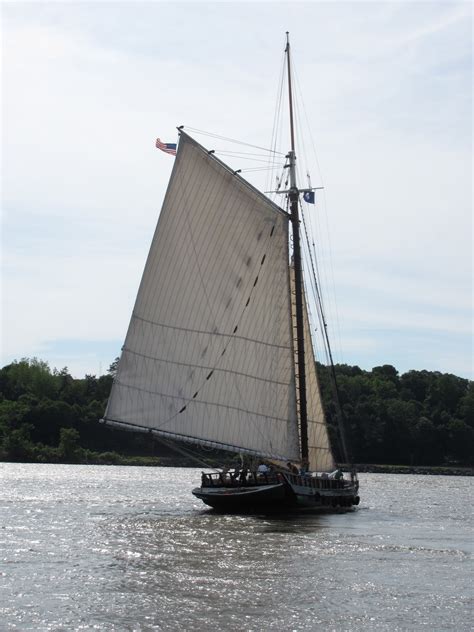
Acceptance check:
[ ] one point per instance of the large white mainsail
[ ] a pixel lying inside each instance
(208, 356)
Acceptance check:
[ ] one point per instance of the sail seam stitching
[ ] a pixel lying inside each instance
(199, 401)
(209, 333)
(207, 368)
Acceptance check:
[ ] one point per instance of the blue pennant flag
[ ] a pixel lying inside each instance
(308, 196)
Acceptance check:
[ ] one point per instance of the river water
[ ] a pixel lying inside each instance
(128, 548)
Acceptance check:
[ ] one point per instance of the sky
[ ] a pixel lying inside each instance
(386, 92)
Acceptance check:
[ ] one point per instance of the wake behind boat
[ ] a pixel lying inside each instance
(218, 352)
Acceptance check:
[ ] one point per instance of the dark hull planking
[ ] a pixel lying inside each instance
(280, 498)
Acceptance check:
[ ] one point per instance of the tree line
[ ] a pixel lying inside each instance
(417, 418)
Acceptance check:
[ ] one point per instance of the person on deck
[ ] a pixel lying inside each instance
(234, 476)
(225, 474)
(243, 476)
(304, 468)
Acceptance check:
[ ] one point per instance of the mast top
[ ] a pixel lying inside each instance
(290, 94)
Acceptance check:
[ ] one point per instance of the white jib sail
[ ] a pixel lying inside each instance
(208, 356)
(319, 448)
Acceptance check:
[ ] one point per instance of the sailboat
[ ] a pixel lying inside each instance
(218, 352)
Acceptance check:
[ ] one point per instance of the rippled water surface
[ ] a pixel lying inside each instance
(125, 548)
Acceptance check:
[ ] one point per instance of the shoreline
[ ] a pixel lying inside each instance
(432, 470)
(363, 468)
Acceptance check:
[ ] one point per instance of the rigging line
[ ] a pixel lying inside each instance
(228, 447)
(315, 287)
(297, 81)
(314, 277)
(274, 164)
(243, 181)
(312, 256)
(302, 141)
(308, 229)
(313, 246)
(331, 264)
(278, 183)
(321, 352)
(334, 383)
(277, 133)
(311, 239)
(228, 152)
(256, 169)
(277, 112)
(188, 453)
(331, 275)
(279, 101)
(231, 140)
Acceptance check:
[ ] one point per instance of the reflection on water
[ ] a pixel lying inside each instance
(130, 548)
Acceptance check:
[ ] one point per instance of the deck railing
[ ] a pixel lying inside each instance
(251, 479)
(317, 482)
(239, 479)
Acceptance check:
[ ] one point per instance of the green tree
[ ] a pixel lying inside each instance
(387, 372)
(47, 419)
(113, 367)
(398, 442)
(446, 391)
(69, 448)
(466, 406)
(414, 385)
(17, 445)
(28, 376)
(460, 442)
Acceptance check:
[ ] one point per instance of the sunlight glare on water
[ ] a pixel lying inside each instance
(128, 548)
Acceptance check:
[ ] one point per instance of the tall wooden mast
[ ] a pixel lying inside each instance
(294, 216)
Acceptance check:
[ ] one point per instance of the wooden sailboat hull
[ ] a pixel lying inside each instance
(281, 497)
(264, 497)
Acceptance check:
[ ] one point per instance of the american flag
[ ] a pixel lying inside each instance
(168, 148)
